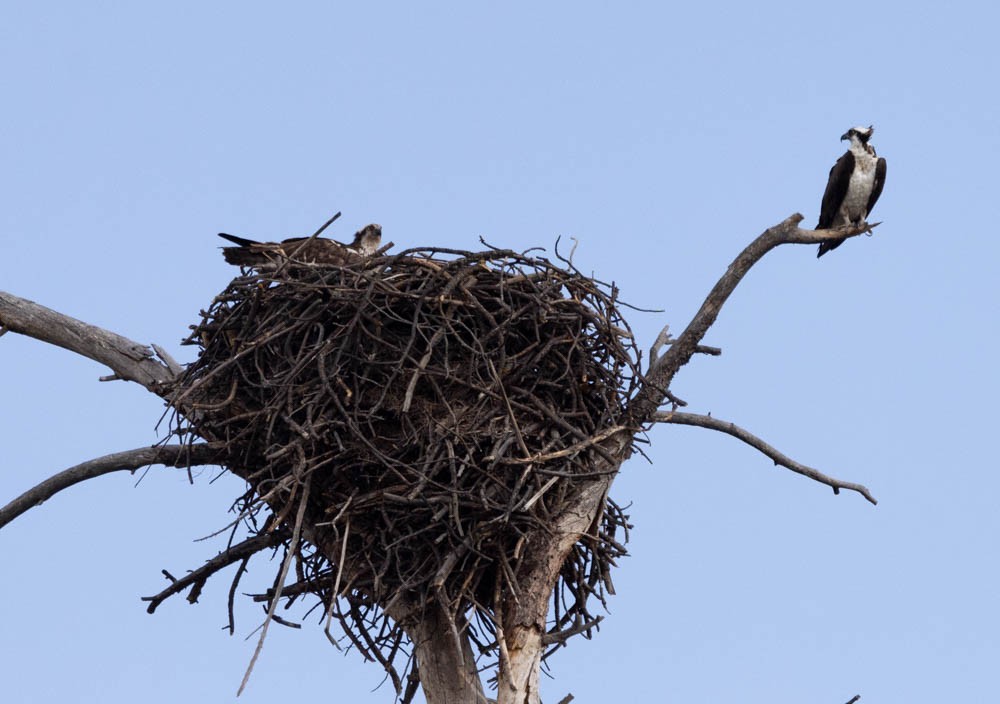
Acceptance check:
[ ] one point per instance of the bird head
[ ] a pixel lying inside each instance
(859, 135)
(367, 239)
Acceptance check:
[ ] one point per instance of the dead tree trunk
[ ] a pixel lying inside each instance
(448, 672)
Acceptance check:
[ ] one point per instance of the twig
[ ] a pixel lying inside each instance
(853, 699)
(292, 548)
(284, 622)
(570, 450)
(326, 224)
(300, 248)
(225, 558)
(562, 636)
(129, 460)
(758, 444)
(538, 494)
(705, 349)
(336, 583)
(232, 592)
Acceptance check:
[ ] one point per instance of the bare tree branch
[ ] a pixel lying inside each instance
(853, 699)
(662, 371)
(129, 460)
(752, 440)
(563, 636)
(198, 577)
(127, 359)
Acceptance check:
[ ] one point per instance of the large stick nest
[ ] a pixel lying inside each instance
(429, 413)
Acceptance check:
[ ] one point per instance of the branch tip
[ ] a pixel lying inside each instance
(755, 442)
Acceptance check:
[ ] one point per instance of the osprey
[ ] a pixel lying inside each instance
(855, 184)
(302, 250)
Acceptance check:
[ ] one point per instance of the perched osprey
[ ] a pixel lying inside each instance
(855, 184)
(305, 250)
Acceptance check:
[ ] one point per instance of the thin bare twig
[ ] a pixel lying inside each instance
(334, 595)
(240, 551)
(292, 551)
(758, 444)
(562, 636)
(326, 224)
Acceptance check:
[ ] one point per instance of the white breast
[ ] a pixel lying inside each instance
(855, 206)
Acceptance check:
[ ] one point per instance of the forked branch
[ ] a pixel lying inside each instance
(129, 360)
(198, 577)
(663, 369)
(755, 442)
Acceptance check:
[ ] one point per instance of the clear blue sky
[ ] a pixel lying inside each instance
(663, 138)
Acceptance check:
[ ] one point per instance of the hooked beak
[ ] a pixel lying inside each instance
(846, 135)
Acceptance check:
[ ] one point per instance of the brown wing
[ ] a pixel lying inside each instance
(877, 186)
(836, 189)
(316, 251)
(300, 249)
(245, 253)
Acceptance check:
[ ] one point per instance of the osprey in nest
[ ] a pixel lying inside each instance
(302, 250)
(855, 184)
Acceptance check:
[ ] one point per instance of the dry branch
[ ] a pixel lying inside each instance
(197, 578)
(127, 359)
(182, 455)
(662, 371)
(752, 440)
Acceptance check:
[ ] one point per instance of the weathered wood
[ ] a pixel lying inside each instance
(448, 673)
(129, 360)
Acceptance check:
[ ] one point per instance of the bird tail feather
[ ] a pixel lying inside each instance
(241, 241)
(826, 245)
